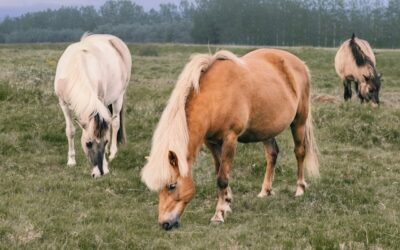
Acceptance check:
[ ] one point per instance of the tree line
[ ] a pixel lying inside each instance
(254, 22)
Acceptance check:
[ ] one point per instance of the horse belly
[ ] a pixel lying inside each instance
(262, 134)
(272, 112)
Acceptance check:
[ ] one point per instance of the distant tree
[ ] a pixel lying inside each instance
(122, 11)
(258, 22)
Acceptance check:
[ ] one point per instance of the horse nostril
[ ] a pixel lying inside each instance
(166, 226)
(93, 175)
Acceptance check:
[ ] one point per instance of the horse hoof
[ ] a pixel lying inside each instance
(71, 164)
(218, 218)
(263, 194)
(299, 192)
(112, 155)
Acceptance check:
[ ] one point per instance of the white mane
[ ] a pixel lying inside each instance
(171, 133)
(74, 86)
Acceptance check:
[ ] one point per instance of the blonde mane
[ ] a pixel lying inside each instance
(171, 133)
(75, 88)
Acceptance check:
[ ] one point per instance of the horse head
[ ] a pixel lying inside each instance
(175, 196)
(95, 136)
(369, 88)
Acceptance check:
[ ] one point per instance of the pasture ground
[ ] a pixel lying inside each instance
(44, 204)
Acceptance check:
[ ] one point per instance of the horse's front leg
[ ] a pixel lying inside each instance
(115, 123)
(347, 94)
(70, 132)
(224, 192)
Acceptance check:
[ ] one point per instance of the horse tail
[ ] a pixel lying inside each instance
(311, 157)
(359, 56)
(121, 134)
(172, 133)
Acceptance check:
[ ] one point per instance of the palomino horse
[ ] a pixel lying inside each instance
(91, 79)
(220, 100)
(355, 61)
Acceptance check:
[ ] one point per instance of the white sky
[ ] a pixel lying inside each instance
(15, 8)
(32, 3)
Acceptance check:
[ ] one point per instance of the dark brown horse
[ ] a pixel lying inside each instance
(220, 100)
(355, 62)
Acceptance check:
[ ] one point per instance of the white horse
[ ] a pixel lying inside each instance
(91, 79)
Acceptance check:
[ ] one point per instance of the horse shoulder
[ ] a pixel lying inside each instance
(222, 99)
(60, 87)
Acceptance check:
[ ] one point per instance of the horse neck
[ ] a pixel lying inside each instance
(197, 132)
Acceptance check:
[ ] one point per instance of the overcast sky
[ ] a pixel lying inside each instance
(17, 7)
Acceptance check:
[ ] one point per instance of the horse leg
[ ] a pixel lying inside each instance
(115, 123)
(271, 151)
(224, 191)
(356, 84)
(215, 149)
(298, 133)
(347, 89)
(70, 132)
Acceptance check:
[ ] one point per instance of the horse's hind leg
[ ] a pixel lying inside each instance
(224, 191)
(70, 132)
(271, 150)
(298, 132)
(347, 89)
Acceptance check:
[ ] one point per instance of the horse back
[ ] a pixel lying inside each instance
(103, 61)
(257, 99)
(345, 63)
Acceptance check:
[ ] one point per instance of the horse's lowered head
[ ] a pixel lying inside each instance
(369, 87)
(174, 196)
(95, 136)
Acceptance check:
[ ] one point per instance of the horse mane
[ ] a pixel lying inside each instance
(171, 133)
(78, 92)
(101, 126)
(359, 56)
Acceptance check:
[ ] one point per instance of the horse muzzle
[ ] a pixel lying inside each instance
(168, 225)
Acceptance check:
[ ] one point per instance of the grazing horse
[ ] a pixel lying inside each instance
(91, 79)
(220, 100)
(355, 62)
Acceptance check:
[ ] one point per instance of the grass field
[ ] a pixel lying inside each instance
(45, 204)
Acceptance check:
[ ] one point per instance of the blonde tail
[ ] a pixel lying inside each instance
(311, 157)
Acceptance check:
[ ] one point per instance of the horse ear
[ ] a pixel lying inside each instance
(353, 36)
(173, 160)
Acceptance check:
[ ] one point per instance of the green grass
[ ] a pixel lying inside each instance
(45, 204)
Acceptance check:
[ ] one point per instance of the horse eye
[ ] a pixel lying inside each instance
(89, 144)
(171, 187)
